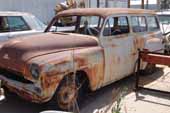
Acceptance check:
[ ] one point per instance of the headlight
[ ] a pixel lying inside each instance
(34, 69)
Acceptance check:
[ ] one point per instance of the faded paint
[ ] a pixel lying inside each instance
(105, 59)
(104, 12)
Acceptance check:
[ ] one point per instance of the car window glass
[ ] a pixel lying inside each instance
(34, 22)
(92, 20)
(122, 21)
(109, 25)
(66, 24)
(116, 26)
(17, 23)
(164, 19)
(88, 25)
(152, 23)
(3, 25)
(138, 23)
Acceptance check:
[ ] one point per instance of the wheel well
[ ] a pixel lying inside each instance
(82, 77)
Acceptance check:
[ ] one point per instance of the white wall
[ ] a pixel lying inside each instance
(43, 9)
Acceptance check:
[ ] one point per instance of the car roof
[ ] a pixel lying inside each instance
(13, 13)
(103, 12)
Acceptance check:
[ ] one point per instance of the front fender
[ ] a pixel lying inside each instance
(53, 68)
(57, 65)
(91, 61)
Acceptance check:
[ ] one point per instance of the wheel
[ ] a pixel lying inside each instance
(66, 95)
(70, 92)
(83, 86)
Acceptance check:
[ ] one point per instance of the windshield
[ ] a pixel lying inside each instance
(88, 25)
(165, 23)
(35, 22)
(164, 19)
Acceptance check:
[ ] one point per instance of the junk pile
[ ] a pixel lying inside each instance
(69, 4)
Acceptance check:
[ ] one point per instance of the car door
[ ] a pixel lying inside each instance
(117, 43)
(18, 26)
(4, 30)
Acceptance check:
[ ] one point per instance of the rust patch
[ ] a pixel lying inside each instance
(92, 62)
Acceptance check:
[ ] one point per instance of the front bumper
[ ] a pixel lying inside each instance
(30, 92)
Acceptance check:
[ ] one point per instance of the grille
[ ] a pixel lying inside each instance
(14, 76)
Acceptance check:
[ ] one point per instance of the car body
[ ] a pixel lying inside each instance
(14, 24)
(101, 47)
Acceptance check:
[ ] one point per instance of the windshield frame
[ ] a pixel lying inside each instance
(99, 24)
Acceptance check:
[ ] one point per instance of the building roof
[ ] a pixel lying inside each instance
(104, 12)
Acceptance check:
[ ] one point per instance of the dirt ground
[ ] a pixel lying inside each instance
(146, 101)
(102, 100)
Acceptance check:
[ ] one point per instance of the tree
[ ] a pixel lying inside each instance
(165, 4)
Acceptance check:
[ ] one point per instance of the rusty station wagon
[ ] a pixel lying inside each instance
(94, 48)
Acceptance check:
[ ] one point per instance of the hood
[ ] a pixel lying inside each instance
(24, 48)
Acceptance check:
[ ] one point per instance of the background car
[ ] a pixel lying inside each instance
(164, 17)
(14, 24)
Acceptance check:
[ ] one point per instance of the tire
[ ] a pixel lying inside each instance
(69, 93)
(83, 86)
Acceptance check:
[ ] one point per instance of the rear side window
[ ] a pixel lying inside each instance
(138, 23)
(152, 23)
(116, 26)
(17, 23)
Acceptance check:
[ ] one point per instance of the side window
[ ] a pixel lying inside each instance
(152, 23)
(108, 27)
(116, 26)
(3, 25)
(17, 23)
(138, 23)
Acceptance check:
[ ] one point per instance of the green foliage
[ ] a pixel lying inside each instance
(117, 107)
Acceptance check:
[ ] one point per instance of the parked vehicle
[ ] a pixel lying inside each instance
(14, 24)
(100, 48)
(164, 18)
